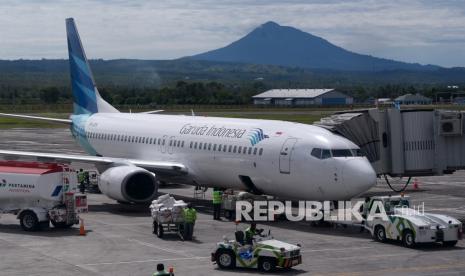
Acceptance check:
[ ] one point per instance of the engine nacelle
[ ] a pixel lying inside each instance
(128, 184)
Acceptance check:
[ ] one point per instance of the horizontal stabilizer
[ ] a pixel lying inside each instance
(37, 118)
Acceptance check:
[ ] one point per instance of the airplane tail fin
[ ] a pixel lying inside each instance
(87, 99)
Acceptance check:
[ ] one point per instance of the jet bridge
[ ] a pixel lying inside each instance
(404, 143)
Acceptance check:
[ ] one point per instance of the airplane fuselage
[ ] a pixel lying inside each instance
(272, 157)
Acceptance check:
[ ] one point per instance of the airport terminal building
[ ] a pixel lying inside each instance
(302, 97)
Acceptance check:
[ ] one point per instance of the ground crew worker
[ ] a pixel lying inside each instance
(364, 211)
(81, 180)
(252, 231)
(216, 203)
(161, 271)
(190, 215)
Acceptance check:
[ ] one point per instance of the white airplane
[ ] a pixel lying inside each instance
(136, 151)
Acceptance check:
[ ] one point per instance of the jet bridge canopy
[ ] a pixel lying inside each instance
(412, 142)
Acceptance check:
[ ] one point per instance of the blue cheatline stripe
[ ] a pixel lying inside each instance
(57, 190)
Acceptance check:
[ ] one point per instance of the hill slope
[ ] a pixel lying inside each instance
(274, 44)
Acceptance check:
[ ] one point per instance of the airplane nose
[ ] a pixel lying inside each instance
(359, 176)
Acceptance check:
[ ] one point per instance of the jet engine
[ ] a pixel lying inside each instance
(128, 184)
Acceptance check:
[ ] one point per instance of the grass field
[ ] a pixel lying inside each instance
(299, 116)
(306, 115)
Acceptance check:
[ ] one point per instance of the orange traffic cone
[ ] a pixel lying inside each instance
(82, 231)
(415, 184)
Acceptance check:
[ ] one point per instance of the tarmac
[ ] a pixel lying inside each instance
(119, 238)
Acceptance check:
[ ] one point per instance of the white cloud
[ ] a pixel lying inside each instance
(405, 30)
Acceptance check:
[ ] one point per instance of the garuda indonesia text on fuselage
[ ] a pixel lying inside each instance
(136, 151)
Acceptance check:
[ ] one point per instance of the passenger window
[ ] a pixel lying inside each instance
(225, 148)
(200, 145)
(239, 150)
(234, 149)
(190, 145)
(179, 144)
(325, 154)
(214, 147)
(316, 152)
(195, 145)
(182, 144)
(255, 151)
(250, 150)
(230, 148)
(219, 147)
(171, 143)
(205, 146)
(209, 146)
(260, 152)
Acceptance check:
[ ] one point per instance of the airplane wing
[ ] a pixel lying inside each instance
(163, 167)
(37, 118)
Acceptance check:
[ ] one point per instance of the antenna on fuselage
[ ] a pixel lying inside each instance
(192, 112)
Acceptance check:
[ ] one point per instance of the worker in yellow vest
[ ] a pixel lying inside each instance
(190, 216)
(82, 179)
(216, 198)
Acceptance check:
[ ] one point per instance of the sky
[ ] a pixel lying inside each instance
(423, 31)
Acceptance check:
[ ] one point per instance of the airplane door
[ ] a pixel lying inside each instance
(285, 155)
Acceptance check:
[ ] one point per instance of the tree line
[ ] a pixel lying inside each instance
(200, 92)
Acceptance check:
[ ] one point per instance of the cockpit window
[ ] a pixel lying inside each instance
(321, 153)
(357, 152)
(316, 153)
(342, 153)
(325, 154)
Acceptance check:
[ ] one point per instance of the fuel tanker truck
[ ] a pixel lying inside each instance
(40, 194)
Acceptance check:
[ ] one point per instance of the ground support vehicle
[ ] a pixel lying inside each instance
(412, 226)
(265, 253)
(167, 215)
(40, 193)
(407, 223)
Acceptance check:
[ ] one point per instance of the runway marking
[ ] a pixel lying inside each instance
(144, 261)
(161, 248)
(335, 249)
(405, 269)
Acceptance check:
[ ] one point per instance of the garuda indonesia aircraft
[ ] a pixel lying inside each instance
(135, 152)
